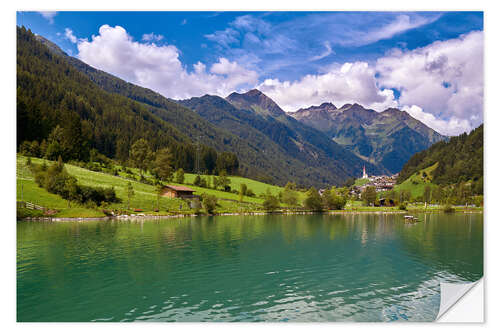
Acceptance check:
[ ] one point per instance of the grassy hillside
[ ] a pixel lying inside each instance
(460, 160)
(417, 182)
(257, 187)
(144, 198)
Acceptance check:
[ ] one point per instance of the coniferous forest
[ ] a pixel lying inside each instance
(60, 112)
(459, 160)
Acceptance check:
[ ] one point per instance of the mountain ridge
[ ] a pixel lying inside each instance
(275, 136)
(318, 132)
(388, 138)
(192, 127)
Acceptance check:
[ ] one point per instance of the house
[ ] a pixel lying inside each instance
(171, 191)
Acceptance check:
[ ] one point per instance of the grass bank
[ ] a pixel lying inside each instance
(145, 198)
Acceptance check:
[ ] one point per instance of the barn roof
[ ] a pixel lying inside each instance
(180, 188)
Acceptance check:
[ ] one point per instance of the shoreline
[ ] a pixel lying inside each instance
(176, 216)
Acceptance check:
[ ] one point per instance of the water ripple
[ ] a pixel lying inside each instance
(266, 268)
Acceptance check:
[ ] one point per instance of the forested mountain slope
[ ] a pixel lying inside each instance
(299, 138)
(459, 160)
(282, 157)
(308, 153)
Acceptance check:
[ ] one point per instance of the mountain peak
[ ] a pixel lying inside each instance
(255, 100)
(253, 92)
(324, 108)
(328, 105)
(394, 112)
(373, 135)
(346, 106)
(391, 110)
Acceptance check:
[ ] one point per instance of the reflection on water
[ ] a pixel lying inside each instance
(367, 267)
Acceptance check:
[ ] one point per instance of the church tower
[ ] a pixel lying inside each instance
(365, 176)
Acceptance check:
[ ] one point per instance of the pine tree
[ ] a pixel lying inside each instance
(163, 162)
(141, 155)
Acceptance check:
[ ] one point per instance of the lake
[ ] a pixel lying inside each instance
(352, 267)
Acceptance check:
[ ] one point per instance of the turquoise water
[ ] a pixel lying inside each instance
(366, 267)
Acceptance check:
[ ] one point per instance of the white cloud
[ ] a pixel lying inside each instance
(68, 33)
(440, 84)
(152, 37)
(325, 54)
(444, 78)
(159, 67)
(224, 37)
(401, 24)
(49, 16)
(252, 23)
(249, 35)
(452, 126)
(348, 83)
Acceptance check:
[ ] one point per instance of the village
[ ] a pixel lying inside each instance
(381, 183)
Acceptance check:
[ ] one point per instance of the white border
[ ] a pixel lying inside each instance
(7, 132)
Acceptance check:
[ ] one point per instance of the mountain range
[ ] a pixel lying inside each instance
(387, 138)
(315, 146)
(302, 151)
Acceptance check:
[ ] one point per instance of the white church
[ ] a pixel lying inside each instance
(365, 175)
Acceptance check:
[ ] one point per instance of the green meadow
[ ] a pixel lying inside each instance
(417, 182)
(145, 197)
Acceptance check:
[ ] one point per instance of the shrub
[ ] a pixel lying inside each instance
(197, 180)
(56, 180)
(289, 196)
(369, 196)
(332, 200)
(195, 205)
(313, 201)
(209, 202)
(146, 181)
(179, 176)
(402, 206)
(448, 209)
(203, 183)
(271, 202)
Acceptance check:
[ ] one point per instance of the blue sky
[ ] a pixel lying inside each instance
(297, 58)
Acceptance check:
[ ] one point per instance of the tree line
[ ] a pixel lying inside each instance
(463, 193)
(330, 199)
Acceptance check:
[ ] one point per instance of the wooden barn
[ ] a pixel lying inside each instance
(171, 191)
